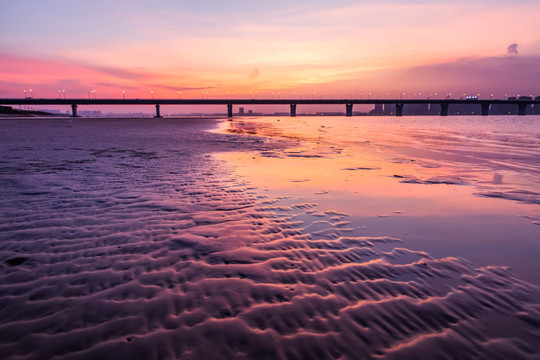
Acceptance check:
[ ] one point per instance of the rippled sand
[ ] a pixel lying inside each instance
(128, 239)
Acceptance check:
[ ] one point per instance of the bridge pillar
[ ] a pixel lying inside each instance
(74, 110)
(229, 110)
(485, 109)
(399, 109)
(158, 114)
(444, 109)
(293, 110)
(348, 108)
(522, 109)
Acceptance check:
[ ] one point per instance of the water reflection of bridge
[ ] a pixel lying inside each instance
(520, 106)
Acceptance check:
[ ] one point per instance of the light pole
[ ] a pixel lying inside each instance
(152, 93)
(124, 94)
(24, 93)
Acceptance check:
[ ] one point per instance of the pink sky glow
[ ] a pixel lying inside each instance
(350, 48)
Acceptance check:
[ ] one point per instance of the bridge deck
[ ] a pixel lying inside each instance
(522, 104)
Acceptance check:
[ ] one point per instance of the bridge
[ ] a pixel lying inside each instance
(520, 103)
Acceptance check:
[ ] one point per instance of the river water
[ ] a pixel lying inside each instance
(456, 186)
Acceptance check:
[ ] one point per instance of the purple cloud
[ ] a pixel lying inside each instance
(512, 49)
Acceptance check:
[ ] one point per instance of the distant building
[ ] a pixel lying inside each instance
(90, 113)
(416, 109)
(389, 109)
(241, 111)
(378, 110)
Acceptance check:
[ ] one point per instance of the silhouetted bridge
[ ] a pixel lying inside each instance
(520, 103)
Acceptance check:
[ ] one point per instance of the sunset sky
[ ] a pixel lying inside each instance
(213, 48)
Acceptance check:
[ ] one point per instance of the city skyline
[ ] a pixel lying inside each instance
(186, 49)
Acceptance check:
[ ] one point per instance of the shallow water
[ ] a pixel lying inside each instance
(151, 239)
(458, 186)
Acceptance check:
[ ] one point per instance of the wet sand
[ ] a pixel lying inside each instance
(143, 239)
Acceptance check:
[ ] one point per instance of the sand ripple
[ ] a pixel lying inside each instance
(151, 254)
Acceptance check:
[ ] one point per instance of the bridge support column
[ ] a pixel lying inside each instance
(399, 109)
(348, 108)
(158, 114)
(522, 109)
(74, 110)
(485, 109)
(444, 109)
(293, 110)
(229, 110)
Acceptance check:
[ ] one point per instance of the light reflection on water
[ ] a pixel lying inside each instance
(453, 186)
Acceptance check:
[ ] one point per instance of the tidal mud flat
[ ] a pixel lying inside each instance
(144, 239)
